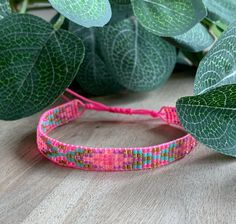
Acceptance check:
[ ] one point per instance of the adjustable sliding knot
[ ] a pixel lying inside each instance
(92, 105)
(130, 111)
(120, 110)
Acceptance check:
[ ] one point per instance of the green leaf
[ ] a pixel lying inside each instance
(5, 8)
(195, 40)
(218, 67)
(95, 76)
(84, 12)
(167, 17)
(211, 118)
(140, 60)
(223, 10)
(37, 63)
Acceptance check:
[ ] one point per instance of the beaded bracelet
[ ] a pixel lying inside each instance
(108, 159)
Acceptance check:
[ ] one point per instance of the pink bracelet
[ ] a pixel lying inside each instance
(108, 159)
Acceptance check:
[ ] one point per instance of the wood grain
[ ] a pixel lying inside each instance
(198, 189)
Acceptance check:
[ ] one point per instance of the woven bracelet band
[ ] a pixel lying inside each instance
(108, 159)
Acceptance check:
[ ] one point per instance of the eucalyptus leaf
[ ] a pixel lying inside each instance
(195, 40)
(167, 17)
(37, 64)
(140, 60)
(95, 75)
(211, 118)
(223, 10)
(84, 12)
(218, 67)
(5, 8)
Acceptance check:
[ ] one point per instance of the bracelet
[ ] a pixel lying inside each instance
(108, 159)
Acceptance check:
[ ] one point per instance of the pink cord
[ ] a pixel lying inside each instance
(92, 105)
(107, 159)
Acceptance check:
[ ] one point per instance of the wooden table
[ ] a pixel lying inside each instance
(198, 189)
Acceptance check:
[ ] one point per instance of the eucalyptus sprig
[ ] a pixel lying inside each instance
(107, 46)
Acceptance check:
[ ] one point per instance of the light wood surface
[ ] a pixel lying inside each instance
(198, 189)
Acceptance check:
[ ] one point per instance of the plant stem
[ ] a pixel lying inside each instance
(216, 31)
(207, 22)
(221, 25)
(24, 6)
(217, 28)
(59, 22)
